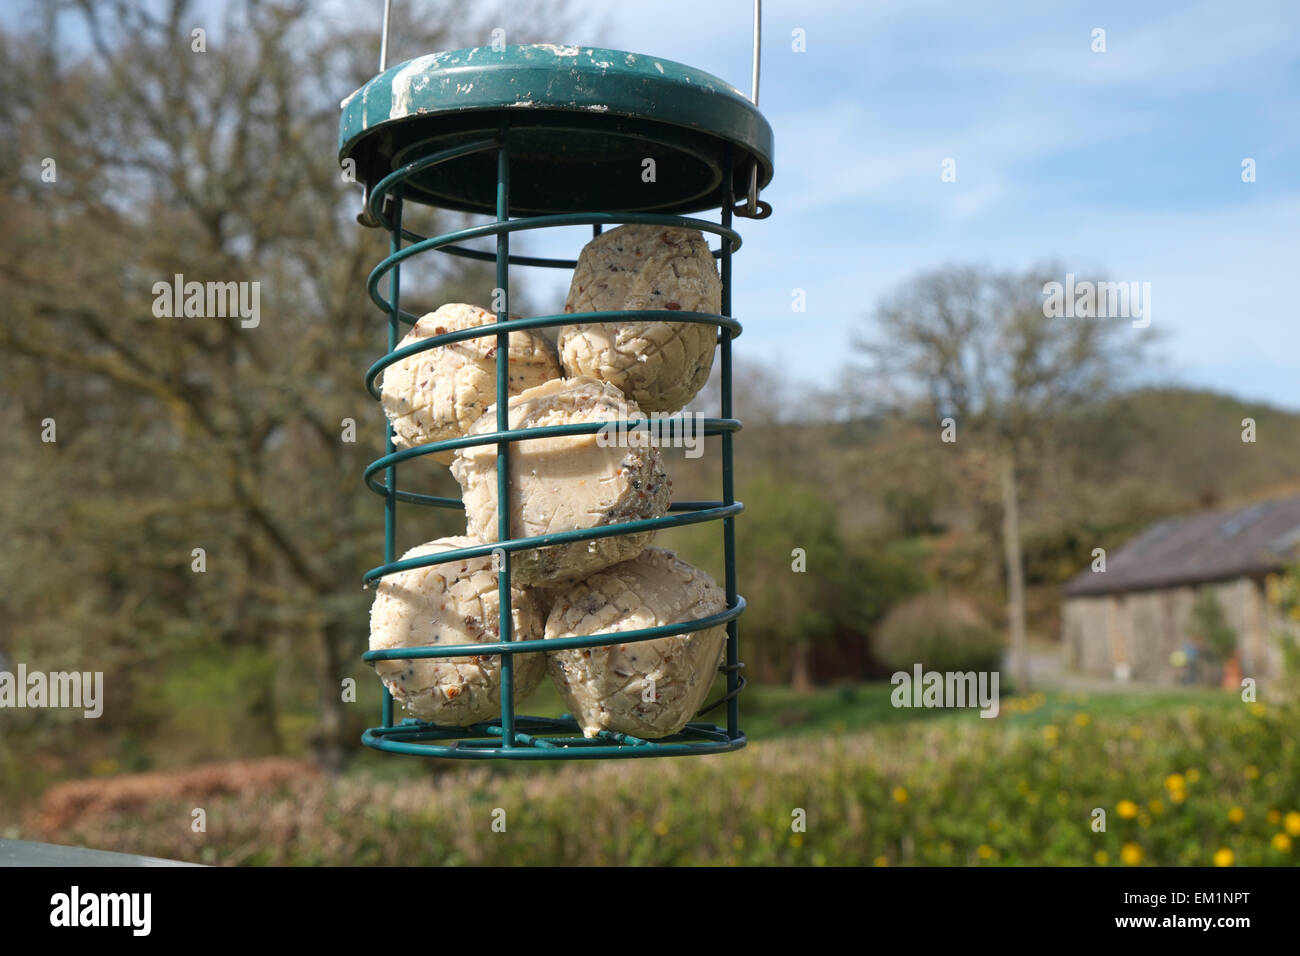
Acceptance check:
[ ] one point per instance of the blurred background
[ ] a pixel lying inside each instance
(930, 462)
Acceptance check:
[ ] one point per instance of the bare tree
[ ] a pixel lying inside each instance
(212, 160)
(977, 347)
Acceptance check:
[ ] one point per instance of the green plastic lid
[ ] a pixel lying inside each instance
(582, 123)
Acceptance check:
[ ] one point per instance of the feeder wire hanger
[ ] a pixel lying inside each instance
(753, 208)
(383, 43)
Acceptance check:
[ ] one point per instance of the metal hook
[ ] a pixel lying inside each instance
(364, 218)
(741, 684)
(752, 207)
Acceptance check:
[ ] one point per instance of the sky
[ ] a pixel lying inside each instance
(1127, 162)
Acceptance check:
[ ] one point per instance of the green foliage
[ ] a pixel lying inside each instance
(804, 579)
(1209, 624)
(872, 578)
(1189, 784)
(1284, 594)
(215, 701)
(939, 633)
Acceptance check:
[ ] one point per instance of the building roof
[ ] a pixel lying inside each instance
(1213, 546)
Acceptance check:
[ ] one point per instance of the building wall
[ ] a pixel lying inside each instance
(1086, 626)
(1134, 634)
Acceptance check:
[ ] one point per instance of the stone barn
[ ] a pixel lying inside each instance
(1129, 620)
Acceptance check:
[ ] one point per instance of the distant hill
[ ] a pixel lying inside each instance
(1189, 444)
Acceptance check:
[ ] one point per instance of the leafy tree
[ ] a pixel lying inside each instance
(805, 582)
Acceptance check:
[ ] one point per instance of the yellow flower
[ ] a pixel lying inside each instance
(1177, 796)
(881, 861)
(1281, 843)
(1292, 823)
(796, 840)
(1223, 857)
(1135, 732)
(1127, 809)
(900, 795)
(1252, 772)
(1156, 806)
(1175, 781)
(1131, 854)
(1081, 719)
(1101, 858)
(1051, 732)
(1236, 815)
(985, 851)
(1193, 775)
(661, 828)
(1259, 710)
(1274, 817)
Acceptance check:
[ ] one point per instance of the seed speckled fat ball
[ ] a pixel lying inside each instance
(564, 484)
(438, 393)
(659, 365)
(453, 603)
(545, 598)
(650, 688)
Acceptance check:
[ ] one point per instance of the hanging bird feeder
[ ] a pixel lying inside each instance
(541, 137)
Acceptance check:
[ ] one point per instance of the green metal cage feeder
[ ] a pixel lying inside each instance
(540, 137)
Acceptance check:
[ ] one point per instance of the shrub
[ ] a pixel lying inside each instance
(1016, 790)
(938, 632)
(1210, 625)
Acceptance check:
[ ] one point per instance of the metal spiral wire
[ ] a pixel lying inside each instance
(514, 736)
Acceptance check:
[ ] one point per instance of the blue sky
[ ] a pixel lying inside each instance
(1127, 161)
